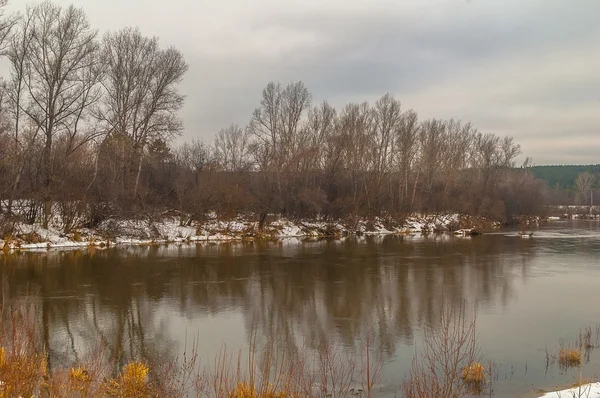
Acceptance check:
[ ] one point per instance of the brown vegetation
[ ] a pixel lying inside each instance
(103, 147)
(448, 365)
(569, 357)
(264, 372)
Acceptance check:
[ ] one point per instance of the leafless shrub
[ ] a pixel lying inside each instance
(447, 352)
(72, 214)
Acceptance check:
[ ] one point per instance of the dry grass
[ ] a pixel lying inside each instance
(246, 390)
(448, 364)
(568, 357)
(267, 372)
(132, 382)
(474, 374)
(263, 372)
(77, 237)
(21, 372)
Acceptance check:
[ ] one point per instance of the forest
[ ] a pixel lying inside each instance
(90, 128)
(569, 184)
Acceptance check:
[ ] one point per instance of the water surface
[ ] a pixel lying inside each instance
(155, 302)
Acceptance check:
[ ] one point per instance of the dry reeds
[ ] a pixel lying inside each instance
(568, 357)
(269, 372)
(449, 362)
(474, 374)
(265, 371)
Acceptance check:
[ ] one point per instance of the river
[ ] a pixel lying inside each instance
(158, 301)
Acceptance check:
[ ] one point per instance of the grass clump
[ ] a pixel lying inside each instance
(79, 380)
(131, 383)
(474, 374)
(77, 237)
(20, 372)
(568, 357)
(247, 390)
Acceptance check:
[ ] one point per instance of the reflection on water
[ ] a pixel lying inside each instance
(152, 302)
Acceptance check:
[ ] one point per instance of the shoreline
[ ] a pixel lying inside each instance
(168, 229)
(588, 390)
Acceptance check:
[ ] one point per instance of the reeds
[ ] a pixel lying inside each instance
(263, 371)
(569, 357)
(448, 364)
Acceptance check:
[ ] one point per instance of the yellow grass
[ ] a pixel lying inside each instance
(24, 370)
(131, 383)
(20, 372)
(247, 390)
(77, 236)
(569, 357)
(474, 374)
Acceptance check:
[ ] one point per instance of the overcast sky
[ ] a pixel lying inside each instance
(530, 69)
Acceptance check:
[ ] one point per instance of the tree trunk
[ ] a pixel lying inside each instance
(139, 172)
(47, 177)
(261, 221)
(412, 202)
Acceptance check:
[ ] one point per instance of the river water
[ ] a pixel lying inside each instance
(156, 302)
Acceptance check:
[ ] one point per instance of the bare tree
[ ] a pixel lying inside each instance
(320, 126)
(584, 184)
(407, 143)
(194, 184)
(280, 137)
(431, 142)
(387, 121)
(15, 89)
(61, 76)
(232, 146)
(7, 24)
(141, 99)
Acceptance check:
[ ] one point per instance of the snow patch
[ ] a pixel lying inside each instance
(591, 390)
(168, 229)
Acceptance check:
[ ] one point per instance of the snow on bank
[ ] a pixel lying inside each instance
(585, 391)
(169, 229)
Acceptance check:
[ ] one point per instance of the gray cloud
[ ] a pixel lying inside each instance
(527, 69)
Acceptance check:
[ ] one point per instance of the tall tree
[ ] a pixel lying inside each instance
(583, 185)
(7, 23)
(277, 126)
(407, 136)
(61, 80)
(16, 94)
(141, 100)
(232, 148)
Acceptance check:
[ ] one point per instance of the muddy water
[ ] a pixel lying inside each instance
(155, 302)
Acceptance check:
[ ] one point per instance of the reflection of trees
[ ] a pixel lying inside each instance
(84, 299)
(298, 294)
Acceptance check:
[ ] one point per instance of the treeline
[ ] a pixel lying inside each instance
(570, 184)
(563, 176)
(88, 123)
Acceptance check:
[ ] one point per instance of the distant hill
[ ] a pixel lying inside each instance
(564, 176)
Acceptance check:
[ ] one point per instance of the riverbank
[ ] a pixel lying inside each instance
(557, 212)
(168, 228)
(591, 390)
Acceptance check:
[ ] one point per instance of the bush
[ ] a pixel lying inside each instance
(449, 363)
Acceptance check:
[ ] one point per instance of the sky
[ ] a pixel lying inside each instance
(529, 69)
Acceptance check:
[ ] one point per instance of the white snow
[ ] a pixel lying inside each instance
(169, 230)
(591, 390)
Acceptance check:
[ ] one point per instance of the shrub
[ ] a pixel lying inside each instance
(452, 346)
(20, 372)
